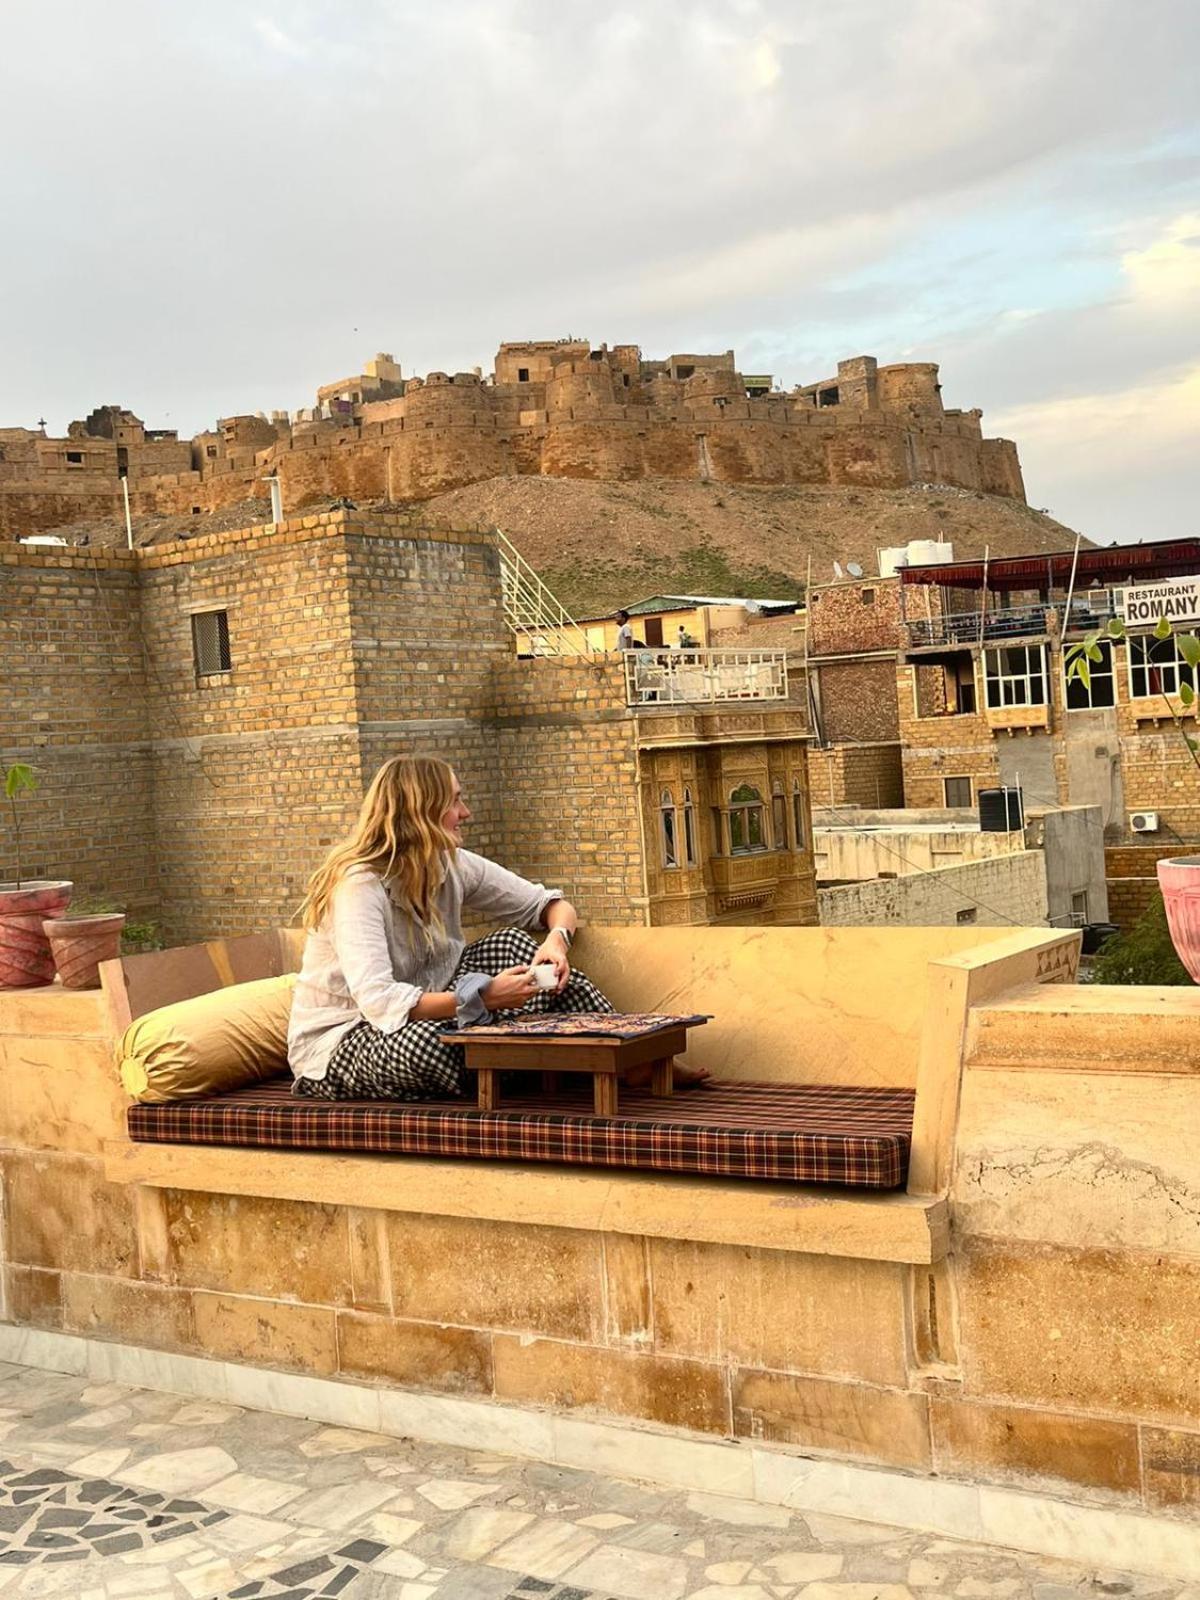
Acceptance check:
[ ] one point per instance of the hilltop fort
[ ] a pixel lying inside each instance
(551, 409)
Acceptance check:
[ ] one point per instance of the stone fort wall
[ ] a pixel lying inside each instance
(576, 412)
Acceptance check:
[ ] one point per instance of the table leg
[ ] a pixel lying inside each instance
(489, 1089)
(604, 1093)
(662, 1076)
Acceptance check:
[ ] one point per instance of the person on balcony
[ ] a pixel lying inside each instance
(387, 976)
(624, 631)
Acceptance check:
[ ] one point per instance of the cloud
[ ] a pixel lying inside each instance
(220, 207)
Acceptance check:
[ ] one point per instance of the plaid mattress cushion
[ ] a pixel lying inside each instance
(815, 1134)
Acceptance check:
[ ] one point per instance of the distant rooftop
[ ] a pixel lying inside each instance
(1118, 563)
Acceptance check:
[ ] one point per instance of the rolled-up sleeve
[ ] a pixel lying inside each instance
(360, 912)
(495, 893)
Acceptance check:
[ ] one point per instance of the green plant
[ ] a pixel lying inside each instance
(140, 936)
(1078, 658)
(1143, 955)
(20, 778)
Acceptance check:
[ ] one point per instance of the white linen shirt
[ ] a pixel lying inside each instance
(361, 965)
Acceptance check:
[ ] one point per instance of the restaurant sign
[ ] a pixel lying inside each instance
(1144, 604)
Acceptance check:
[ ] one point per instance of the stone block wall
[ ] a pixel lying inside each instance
(856, 775)
(1131, 877)
(566, 749)
(74, 706)
(857, 701)
(940, 747)
(1009, 891)
(860, 614)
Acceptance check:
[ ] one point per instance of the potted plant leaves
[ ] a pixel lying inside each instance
(26, 960)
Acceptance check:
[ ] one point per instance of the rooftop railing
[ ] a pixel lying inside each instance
(678, 677)
(999, 624)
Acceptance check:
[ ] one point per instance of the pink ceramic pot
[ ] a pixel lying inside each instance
(1179, 880)
(26, 961)
(80, 944)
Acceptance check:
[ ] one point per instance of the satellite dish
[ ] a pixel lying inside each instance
(854, 569)
(837, 570)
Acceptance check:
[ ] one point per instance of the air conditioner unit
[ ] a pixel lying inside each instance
(1143, 821)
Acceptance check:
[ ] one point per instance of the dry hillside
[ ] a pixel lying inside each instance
(600, 543)
(597, 544)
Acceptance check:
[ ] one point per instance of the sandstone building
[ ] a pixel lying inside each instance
(947, 679)
(556, 408)
(204, 717)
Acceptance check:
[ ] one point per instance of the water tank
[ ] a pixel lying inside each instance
(1000, 810)
(923, 552)
(892, 559)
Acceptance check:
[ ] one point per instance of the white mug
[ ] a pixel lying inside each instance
(544, 975)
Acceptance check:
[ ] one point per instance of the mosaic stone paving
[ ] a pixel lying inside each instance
(113, 1493)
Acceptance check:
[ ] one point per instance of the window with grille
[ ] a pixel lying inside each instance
(1156, 667)
(1101, 688)
(668, 829)
(746, 830)
(210, 642)
(779, 836)
(1079, 908)
(958, 791)
(689, 829)
(1014, 675)
(797, 815)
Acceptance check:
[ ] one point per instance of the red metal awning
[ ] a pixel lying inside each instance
(1137, 563)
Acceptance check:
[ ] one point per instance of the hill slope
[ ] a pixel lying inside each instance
(597, 544)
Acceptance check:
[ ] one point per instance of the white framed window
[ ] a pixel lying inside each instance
(957, 791)
(668, 826)
(1156, 667)
(1014, 675)
(689, 828)
(1079, 908)
(210, 642)
(1100, 691)
(747, 831)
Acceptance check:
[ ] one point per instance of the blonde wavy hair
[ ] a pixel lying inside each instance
(398, 835)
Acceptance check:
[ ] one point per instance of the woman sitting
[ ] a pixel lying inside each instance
(387, 977)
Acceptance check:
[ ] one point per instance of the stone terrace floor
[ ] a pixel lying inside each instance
(110, 1493)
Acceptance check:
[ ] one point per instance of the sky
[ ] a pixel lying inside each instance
(212, 209)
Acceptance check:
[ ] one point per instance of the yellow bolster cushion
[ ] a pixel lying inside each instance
(210, 1044)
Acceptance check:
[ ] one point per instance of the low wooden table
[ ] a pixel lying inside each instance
(489, 1053)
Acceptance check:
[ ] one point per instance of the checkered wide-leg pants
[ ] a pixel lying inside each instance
(420, 1061)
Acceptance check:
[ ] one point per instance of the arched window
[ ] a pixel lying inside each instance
(746, 831)
(668, 829)
(797, 815)
(779, 835)
(689, 829)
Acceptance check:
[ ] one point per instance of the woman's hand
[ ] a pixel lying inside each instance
(510, 990)
(552, 950)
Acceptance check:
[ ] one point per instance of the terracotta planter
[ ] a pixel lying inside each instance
(80, 944)
(1179, 880)
(26, 961)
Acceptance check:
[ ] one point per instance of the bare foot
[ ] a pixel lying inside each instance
(685, 1077)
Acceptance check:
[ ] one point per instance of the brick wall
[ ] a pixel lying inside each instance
(859, 615)
(74, 707)
(1007, 891)
(858, 701)
(856, 775)
(567, 755)
(936, 748)
(1132, 881)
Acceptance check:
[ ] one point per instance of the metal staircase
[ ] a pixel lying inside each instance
(539, 622)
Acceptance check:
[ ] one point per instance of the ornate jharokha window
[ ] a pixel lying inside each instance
(779, 835)
(797, 815)
(689, 829)
(668, 829)
(746, 830)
